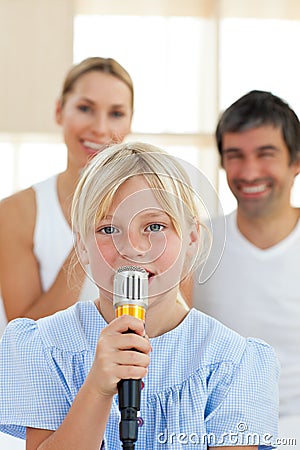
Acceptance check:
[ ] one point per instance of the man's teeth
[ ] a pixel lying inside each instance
(93, 145)
(254, 189)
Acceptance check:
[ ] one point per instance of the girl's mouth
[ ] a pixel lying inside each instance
(150, 274)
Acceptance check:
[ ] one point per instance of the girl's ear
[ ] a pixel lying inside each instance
(194, 239)
(58, 112)
(192, 249)
(82, 251)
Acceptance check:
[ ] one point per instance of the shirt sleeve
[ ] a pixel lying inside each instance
(248, 412)
(31, 394)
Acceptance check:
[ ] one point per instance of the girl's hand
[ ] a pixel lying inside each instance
(119, 356)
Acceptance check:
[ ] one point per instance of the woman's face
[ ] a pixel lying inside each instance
(137, 231)
(96, 113)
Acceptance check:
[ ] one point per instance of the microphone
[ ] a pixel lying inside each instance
(131, 298)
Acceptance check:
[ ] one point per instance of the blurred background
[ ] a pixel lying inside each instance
(189, 60)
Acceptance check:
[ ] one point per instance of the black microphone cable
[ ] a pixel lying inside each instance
(131, 298)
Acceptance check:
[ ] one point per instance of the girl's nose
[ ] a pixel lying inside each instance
(134, 245)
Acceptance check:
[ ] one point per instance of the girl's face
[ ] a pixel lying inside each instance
(97, 112)
(137, 231)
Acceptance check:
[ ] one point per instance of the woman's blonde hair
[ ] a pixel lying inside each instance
(105, 65)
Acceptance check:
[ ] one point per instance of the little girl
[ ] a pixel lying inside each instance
(204, 385)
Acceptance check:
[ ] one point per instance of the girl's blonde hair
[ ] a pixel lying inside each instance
(105, 65)
(111, 168)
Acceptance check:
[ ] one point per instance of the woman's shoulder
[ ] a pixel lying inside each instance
(22, 207)
(21, 202)
(18, 209)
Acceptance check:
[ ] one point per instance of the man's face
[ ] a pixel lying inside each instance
(258, 169)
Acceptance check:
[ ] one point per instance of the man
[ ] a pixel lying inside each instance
(254, 286)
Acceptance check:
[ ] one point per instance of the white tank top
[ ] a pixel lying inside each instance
(53, 238)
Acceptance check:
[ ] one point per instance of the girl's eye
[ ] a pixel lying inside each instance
(154, 227)
(108, 230)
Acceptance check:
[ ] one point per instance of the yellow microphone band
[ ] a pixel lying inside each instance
(131, 310)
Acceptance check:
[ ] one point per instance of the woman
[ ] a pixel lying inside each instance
(94, 110)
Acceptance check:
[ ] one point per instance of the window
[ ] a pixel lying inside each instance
(259, 54)
(187, 65)
(26, 161)
(167, 60)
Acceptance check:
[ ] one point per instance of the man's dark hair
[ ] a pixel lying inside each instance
(258, 108)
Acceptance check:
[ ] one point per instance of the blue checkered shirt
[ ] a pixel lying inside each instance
(206, 385)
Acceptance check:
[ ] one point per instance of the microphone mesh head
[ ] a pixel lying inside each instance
(131, 286)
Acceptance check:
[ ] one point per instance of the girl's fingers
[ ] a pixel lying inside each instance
(130, 341)
(134, 372)
(120, 354)
(125, 323)
(125, 333)
(132, 358)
